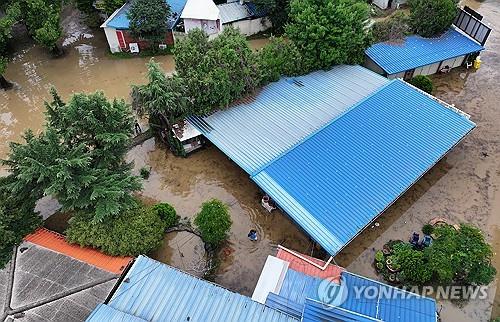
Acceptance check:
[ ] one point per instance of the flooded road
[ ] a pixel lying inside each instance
(464, 186)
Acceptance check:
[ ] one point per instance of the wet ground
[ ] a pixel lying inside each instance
(464, 186)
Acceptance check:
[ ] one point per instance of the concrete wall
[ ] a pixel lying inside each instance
(114, 46)
(251, 26)
(209, 26)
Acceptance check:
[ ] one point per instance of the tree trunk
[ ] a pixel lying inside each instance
(5, 84)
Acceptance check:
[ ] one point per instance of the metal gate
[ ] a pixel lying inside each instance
(472, 26)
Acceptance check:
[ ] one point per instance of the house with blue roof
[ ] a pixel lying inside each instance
(116, 28)
(295, 284)
(334, 149)
(152, 291)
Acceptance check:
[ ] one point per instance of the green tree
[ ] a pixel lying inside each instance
(279, 58)
(394, 28)
(439, 15)
(329, 32)
(214, 222)
(277, 11)
(167, 213)
(12, 14)
(164, 99)
(423, 82)
(50, 32)
(412, 263)
(17, 219)
(216, 72)
(3, 66)
(110, 6)
(148, 20)
(79, 158)
(134, 232)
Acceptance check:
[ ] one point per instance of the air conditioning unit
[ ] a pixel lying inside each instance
(134, 47)
(162, 46)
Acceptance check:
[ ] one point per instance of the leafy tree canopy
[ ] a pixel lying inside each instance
(162, 98)
(213, 221)
(329, 32)
(148, 20)
(430, 18)
(277, 11)
(216, 72)
(279, 58)
(17, 219)
(423, 82)
(79, 158)
(394, 28)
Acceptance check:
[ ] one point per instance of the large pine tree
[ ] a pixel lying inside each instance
(80, 157)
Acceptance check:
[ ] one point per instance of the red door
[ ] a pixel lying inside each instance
(121, 39)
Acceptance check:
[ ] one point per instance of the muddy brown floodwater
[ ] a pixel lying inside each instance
(463, 187)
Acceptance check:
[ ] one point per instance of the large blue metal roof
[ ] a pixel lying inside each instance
(415, 51)
(343, 176)
(154, 291)
(391, 304)
(119, 20)
(261, 128)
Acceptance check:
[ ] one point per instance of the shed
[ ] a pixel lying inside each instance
(244, 16)
(153, 291)
(416, 55)
(335, 149)
(202, 14)
(116, 27)
(189, 137)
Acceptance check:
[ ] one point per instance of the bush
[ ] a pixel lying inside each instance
(391, 29)
(213, 221)
(412, 263)
(136, 232)
(145, 173)
(279, 58)
(167, 213)
(422, 82)
(428, 229)
(379, 256)
(430, 18)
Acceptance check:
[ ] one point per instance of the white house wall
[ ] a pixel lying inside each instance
(209, 26)
(114, 45)
(251, 26)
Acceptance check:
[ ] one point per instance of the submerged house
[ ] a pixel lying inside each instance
(212, 18)
(313, 290)
(415, 55)
(116, 28)
(334, 149)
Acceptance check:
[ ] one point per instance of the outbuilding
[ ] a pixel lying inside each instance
(116, 28)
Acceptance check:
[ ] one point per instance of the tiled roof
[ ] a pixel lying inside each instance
(56, 242)
(331, 272)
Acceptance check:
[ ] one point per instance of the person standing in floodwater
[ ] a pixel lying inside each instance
(137, 128)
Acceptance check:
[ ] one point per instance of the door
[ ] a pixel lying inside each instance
(121, 39)
(409, 74)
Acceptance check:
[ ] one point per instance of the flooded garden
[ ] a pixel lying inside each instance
(463, 187)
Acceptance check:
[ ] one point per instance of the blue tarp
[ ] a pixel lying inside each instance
(415, 51)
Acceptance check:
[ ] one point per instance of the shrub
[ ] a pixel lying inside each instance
(167, 213)
(379, 256)
(430, 18)
(279, 58)
(428, 229)
(422, 82)
(136, 232)
(213, 221)
(145, 173)
(391, 29)
(412, 263)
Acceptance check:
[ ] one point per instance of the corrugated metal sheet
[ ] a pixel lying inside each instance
(57, 242)
(416, 51)
(315, 311)
(343, 176)
(255, 132)
(157, 292)
(233, 11)
(106, 313)
(331, 272)
(120, 20)
(399, 306)
(392, 305)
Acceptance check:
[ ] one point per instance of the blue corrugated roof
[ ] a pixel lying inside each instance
(121, 22)
(261, 128)
(154, 291)
(392, 305)
(416, 51)
(106, 313)
(315, 311)
(342, 177)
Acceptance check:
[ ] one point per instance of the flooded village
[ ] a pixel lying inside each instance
(464, 186)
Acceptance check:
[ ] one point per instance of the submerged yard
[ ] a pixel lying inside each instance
(462, 187)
